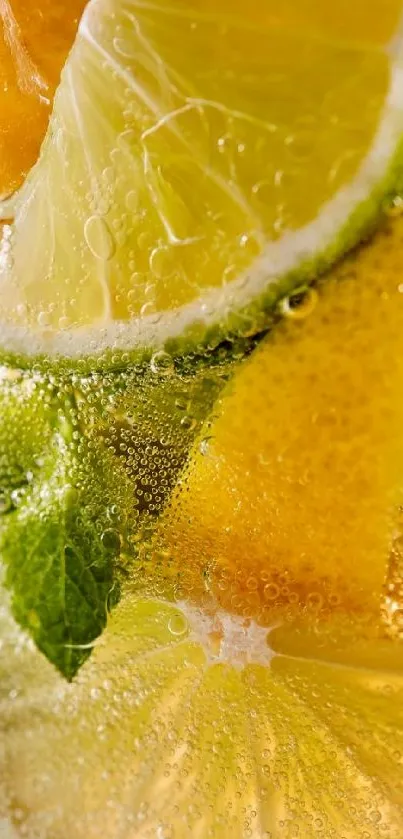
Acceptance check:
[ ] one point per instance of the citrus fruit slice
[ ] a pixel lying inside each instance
(34, 42)
(165, 735)
(291, 497)
(199, 158)
(250, 682)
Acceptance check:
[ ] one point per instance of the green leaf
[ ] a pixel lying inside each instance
(60, 549)
(86, 465)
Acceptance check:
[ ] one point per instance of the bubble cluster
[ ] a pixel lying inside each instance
(158, 744)
(201, 560)
(293, 489)
(190, 178)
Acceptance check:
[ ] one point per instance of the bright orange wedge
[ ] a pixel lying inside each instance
(35, 38)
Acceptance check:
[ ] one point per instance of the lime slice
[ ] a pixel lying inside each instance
(164, 735)
(200, 159)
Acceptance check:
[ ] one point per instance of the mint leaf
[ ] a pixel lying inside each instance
(60, 549)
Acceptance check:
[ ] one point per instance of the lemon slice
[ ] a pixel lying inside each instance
(165, 736)
(200, 158)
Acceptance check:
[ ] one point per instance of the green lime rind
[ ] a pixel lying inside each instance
(57, 203)
(240, 326)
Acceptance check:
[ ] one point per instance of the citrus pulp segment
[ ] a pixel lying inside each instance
(292, 493)
(198, 160)
(162, 740)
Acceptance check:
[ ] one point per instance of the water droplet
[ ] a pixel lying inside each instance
(299, 304)
(109, 175)
(147, 309)
(263, 191)
(177, 624)
(271, 591)
(132, 201)
(111, 540)
(162, 363)
(144, 240)
(229, 274)
(188, 422)
(99, 238)
(181, 404)
(43, 319)
(395, 208)
(162, 262)
(301, 145)
(204, 446)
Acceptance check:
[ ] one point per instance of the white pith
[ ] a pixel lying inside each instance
(228, 639)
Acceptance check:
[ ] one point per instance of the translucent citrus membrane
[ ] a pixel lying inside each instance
(161, 740)
(182, 143)
(291, 496)
(34, 42)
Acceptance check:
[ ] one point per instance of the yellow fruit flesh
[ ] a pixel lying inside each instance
(159, 740)
(192, 138)
(167, 727)
(292, 498)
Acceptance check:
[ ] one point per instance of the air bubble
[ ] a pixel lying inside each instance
(111, 540)
(132, 201)
(162, 363)
(301, 145)
(162, 262)
(229, 274)
(43, 319)
(181, 404)
(300, 304)
(109, 175)
(99, 238)
(314, 601)
(271, 591)
(177, 625)
(263, 191)
(147, 309)
(188, 422)
(144, 240)
(204, 446)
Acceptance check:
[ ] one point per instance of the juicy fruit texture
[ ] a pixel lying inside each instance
(160, 741)
(198, 156)
(292, 494)
(250, 682)
(219, 701)
(34, 41)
